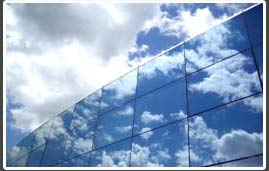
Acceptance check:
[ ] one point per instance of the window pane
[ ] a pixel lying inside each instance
(160, 107)
(223, 82)
(250, 162)
(115, 125)
(115, 155)
(61, 123)
(20, 162)
(35, 156)
(166, 146)
(86, 110)
(227, 133)
(259, 57)
(54, 151)
(119, 91)
(79, 140)
(220, 42)
(81, 161)
(20, 149)
(161, 70)
(41, 134)
(254, 19)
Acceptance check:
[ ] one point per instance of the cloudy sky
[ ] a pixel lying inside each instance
(59, 53)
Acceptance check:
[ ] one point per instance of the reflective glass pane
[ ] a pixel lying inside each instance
(54, 151)
(41, 134)
(249, 162)
(79, 140)
(259, 57)
(161, 70)
(114, 125)
(86, 110)
(160, 107)
(22, 148)
(21, 162)
(119, 91)
(81, 161)
(35, 156)
(115, 155)
(166, 146)
(223, 82)
(227, 133)
(61, 123)
(219, 42)
(254, 19)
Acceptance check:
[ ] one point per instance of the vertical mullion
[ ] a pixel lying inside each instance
(95, 129)
(187, 103)
(252, 48)
(131, 145)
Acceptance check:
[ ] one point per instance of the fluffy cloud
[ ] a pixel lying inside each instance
(114, 159)
(53, 61)
(148, 117)
(129, 110)
(146, 135)
(123, 129)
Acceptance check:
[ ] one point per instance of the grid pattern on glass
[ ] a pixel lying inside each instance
(161, 70)
(213, 118)
(35, 157)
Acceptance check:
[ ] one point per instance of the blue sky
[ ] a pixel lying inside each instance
(56, 56)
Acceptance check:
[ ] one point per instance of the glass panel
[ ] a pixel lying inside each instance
(81, 161)
(115, 155)
(21, 162)
(54, 151)
(161, 70)
(86, 110)
(219, 42)
(249, 162)
(166, 146)
(35, 156)
(22, 148)
(259, 57)
(41, 134)
(61, 123)
(115, 125)
(254, 20)
(160, 107)
(119, 91)
(79, 140)
(227, 133)
(223, 82)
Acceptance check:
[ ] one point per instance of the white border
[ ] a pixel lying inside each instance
(139, 1)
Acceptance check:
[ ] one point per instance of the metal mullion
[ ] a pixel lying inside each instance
(134, 110)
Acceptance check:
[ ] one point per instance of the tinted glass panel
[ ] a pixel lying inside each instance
(161, 70)
(35, 156)
(162, 106)
(115, 155)
(250, 162)
(61, 123)
(115, 125)
(86, 110)
(54, 151)
(79, 140)
(119, 91)
(227, 133)
(259, 57)
(221, 41)
(81, 161)
(41, 135)
(21, 162)
(231, 79)
(254, 18)
(166, 146)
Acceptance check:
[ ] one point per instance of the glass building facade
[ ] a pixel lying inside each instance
(198, 104)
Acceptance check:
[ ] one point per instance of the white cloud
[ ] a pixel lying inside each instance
(148, 117)
(146, 135)
(123, 129)
(179, 115)
(128, 111)
(114, 159)
(54, 61)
